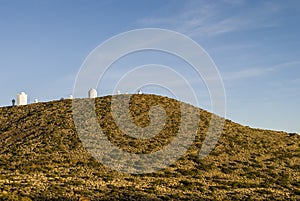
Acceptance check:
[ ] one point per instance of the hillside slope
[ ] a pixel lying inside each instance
(42, 158)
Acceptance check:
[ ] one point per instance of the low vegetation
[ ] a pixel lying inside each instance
(42, 158)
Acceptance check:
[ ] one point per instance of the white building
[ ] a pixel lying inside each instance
(22, 99)
(92, 93)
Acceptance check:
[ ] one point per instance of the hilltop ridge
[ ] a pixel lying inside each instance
(42, 157)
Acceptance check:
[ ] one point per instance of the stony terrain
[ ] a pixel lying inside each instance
(42, 158)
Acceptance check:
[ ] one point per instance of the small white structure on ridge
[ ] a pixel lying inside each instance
(22, 99)
(118, 92)
(71, 97)
(36, 101)
(139, 92)
(92, 93)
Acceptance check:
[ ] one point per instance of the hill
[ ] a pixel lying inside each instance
(42, 158)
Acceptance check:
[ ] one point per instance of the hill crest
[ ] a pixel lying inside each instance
(42, 157)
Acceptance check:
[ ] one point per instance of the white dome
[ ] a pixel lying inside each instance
(92, 93)
(22, 99)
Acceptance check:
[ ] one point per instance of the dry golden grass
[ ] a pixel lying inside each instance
(42, 158)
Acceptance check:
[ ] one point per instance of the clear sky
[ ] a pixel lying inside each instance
(255, 45)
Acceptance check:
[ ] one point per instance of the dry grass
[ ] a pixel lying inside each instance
(41, 157)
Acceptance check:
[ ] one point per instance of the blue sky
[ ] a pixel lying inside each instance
(254, 44)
